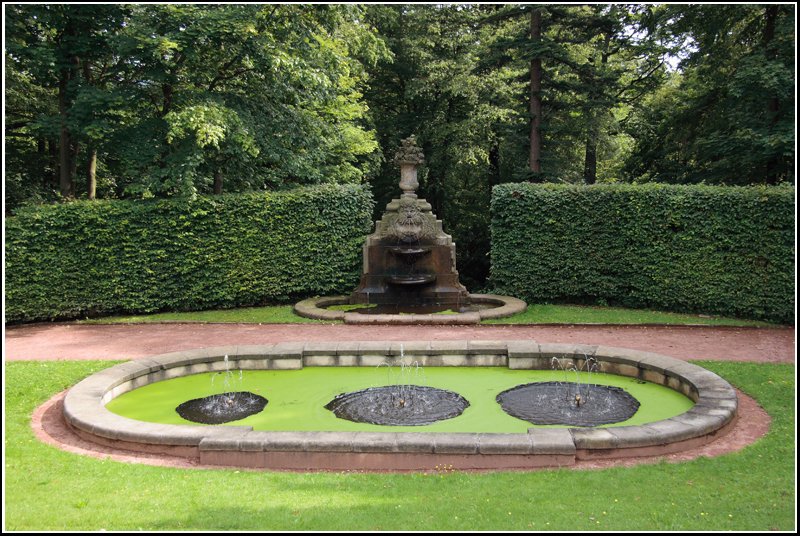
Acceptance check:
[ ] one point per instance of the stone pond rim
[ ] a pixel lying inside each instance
(713, 414)
(496, 307)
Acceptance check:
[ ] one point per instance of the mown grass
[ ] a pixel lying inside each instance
(271, 314)
(535, 314)
(579, 314)
(48, 489)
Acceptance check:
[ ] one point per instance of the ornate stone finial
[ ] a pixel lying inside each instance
(408, 157)
(409, 152)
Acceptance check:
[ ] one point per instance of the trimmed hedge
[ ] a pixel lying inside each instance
(703, 249)
(103, 257)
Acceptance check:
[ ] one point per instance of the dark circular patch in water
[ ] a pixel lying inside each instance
(557, 403)
(398, 405)
(222, 408)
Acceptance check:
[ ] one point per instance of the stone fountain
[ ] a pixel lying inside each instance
(409, 267)
(409, 261)
(711, 416)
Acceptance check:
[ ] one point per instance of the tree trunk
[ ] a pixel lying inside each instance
(41, 150)
(52, 147)
(590, 160)
(535, 159)
(166, 105)
(66, 75)
(91, 150)
(91, 173)
(494, 164)
(73, 166)
(773, 105)
(217, 182)
(65, 180)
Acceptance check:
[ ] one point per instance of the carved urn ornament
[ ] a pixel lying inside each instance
(409, 156)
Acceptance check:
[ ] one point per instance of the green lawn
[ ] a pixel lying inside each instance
(535, 314)
(578, 314)
(49, 490)
(271, 314)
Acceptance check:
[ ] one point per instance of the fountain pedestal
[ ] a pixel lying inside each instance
(410, 262)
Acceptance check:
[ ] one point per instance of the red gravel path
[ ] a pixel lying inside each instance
(133, 341)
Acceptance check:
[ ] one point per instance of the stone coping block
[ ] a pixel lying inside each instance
(505, 444)
(715, 407)
(506, 305)
(315, 308)
(503, 306)
(413, 319)
(552, 441)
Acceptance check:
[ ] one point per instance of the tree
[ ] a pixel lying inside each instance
(175, 99)
(611, 56)
(53, 45)
(30, 152)
(728, 117)
(535, 159)
(262, 95)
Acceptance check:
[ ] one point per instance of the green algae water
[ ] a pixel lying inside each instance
(297, 398)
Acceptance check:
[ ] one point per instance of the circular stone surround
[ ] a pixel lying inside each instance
(398, 405)
(222, 408)
(712, 415)
(568, 403)
(502, 306)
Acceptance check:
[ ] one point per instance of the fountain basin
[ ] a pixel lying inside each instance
(482, 307)
(713, 412)
(410, 253)
(568, 403)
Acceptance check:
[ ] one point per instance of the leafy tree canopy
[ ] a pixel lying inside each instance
(146, 100)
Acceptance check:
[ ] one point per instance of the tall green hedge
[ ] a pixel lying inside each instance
(705, 249)
(70, 260)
